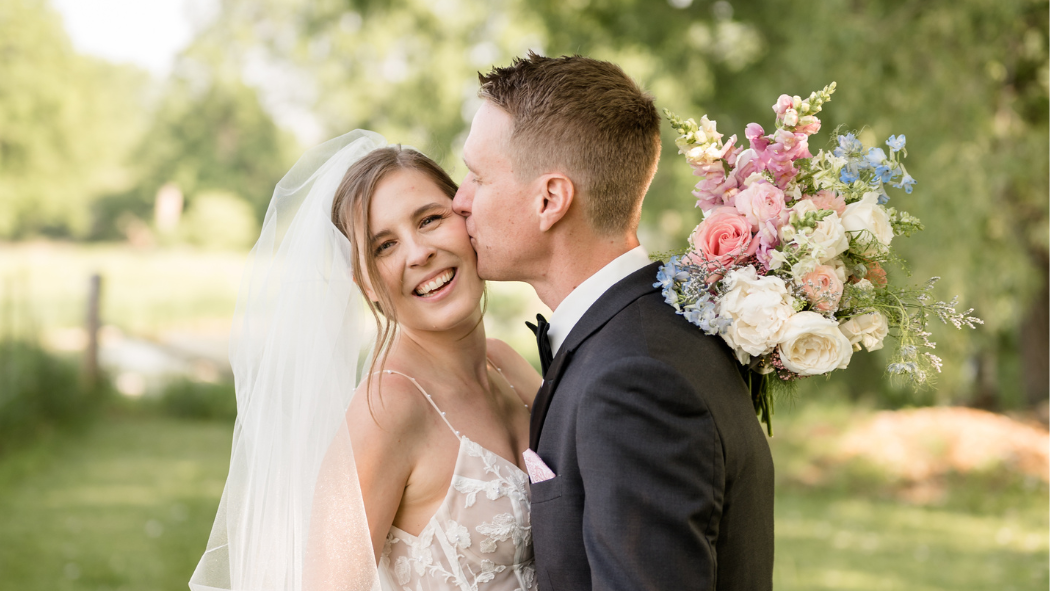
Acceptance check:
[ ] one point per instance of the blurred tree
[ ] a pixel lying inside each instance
(208, 133)
(406, 69)
(67, 123)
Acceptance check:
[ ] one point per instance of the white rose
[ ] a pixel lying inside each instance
(814, 345)
(840, 269)
(867, 329)
(867, 220)
(758, 307)
(829, 238)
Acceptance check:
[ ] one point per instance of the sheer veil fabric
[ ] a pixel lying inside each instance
(291, 516)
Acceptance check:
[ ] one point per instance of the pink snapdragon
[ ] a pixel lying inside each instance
(786, 103)
(808, 125)
(768, 240)
(757, 136)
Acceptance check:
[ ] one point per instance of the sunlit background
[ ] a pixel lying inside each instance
(140, 143)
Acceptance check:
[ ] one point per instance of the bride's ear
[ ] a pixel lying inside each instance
(558, 192)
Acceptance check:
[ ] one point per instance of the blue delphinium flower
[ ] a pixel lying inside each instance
(848, 146)
(665, 279)
(883, 198)
(884, 173)
(905, 183)
(704, 314)
(896, 143)
(876, 156)
(848, 176)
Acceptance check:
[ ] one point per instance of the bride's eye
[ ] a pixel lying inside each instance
(383, 247)
(430, 219)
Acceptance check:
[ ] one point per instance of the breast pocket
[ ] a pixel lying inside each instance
(546, 491)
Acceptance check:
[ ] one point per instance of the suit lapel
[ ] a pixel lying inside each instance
(617, 298)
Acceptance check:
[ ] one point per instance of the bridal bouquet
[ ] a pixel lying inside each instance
(788, 264)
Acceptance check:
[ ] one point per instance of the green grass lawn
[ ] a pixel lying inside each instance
(128, 505)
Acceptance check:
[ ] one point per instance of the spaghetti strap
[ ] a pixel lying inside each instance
(441, 413)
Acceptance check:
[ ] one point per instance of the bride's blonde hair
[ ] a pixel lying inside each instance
(350, 207)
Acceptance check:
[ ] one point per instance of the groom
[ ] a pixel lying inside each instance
(663, 477)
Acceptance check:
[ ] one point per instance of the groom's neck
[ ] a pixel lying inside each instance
(573, 261)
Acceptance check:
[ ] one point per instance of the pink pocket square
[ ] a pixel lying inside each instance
(538, 470)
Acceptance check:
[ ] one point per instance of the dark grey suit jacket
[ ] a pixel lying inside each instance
(663, 475)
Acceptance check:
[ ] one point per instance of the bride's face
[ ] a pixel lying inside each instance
(423, 253)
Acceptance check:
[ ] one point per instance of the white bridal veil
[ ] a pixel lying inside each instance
(291, 516)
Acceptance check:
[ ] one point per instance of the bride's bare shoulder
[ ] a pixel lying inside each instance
(516, 369)
(388, 406)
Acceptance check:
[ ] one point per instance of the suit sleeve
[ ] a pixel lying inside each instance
(653, 475)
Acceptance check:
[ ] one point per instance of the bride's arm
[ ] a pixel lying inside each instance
(386, 441)
(525, 379)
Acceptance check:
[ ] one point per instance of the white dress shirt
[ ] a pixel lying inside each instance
(579, 300)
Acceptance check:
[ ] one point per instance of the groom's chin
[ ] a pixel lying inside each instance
(488, 271)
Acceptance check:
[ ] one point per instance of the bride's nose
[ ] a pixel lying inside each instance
(419, 252)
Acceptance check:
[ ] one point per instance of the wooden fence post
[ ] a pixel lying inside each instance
(91, 371)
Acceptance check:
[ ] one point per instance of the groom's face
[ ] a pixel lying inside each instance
(496, 204)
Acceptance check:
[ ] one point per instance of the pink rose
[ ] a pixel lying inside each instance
(828, 200)
(823, 288)
(762, 202)
(722, 239)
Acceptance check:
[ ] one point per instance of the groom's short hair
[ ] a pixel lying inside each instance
(588, 118)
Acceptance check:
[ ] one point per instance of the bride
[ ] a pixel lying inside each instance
(409, 477)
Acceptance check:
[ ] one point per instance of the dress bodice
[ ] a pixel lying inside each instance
(480, 538)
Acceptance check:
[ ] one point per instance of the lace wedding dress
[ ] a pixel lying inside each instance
(479, 539)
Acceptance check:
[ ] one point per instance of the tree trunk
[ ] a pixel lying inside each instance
(1035, 342)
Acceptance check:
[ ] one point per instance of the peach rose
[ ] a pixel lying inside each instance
(828, 200)
(722, 239)
(823, 288)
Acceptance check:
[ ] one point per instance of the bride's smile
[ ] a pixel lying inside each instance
(434, 286)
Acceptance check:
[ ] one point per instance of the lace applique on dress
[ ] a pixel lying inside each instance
(480, 538)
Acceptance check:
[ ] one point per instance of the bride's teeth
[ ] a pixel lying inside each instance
(435, 283)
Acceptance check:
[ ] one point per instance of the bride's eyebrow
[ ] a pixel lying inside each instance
(428, 207)
(378, 236)
(415, 214)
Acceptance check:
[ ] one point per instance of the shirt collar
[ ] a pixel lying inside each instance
(579, 300)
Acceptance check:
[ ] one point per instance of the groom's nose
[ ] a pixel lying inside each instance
(464, 199)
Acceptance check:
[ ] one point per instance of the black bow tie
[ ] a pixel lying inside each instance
(540, 330)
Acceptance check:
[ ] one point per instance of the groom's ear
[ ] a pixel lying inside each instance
(558, 192)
